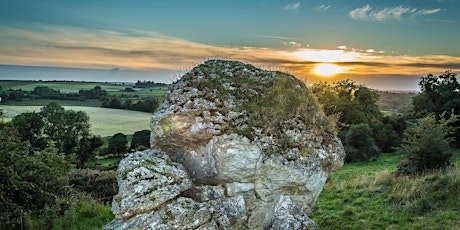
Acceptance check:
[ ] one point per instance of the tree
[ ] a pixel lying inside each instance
(141, 140)
(29, 183)
(356, 104)
(117, 144)
(86, 149)
(65, 128)
(439, 95)
(426, 145)
(360, 145)
(31, 125)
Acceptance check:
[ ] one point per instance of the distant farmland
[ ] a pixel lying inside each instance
(104, 122)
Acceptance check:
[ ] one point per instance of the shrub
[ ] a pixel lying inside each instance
(426, 145)
(118, 144)
(101, 185)
(360, 145)
(140, 141)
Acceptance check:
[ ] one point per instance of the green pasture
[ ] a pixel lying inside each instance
(74, 87)
(43, 102)
(104, 121)
(142, 92)
(64, 87)
(366, 195)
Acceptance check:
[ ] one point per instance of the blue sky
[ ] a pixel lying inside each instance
(385, 43)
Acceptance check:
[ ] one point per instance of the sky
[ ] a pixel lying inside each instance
(384, 44)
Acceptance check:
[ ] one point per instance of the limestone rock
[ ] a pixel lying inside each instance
(146, 180)
(285, 214)
(244, 148)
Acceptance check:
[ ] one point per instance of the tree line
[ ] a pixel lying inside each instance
(143, 104)
(425, 134)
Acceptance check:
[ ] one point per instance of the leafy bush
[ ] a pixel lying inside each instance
(426, 145)
(101, 185)
(141, 140)
(359, 143)
(117, 144)
(30, 184)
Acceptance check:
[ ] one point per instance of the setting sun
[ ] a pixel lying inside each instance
(327, 70)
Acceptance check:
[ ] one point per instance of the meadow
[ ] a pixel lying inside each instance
(104, 121)
(366, 195)
(361, 195)
(63, 86)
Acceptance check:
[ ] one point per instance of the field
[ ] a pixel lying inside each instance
(74, 87)
(366, 195)
(395, 102)
(104, 122)
(64, 87)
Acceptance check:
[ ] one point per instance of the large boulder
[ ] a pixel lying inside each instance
(244, 148)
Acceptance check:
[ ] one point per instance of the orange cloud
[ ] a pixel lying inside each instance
(41, 45)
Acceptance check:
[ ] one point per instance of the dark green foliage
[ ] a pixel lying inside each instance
(86, 149)
(439, 95)
(118, 144)
(29, 183)
(65, 128)
(96, 93)
(68, 131)
(32, 129)
(360, 145)
(101, 185)
(148, 84)
(388, 133)
(357, 104)
(145, 104)
(140, 140)
(426, 146)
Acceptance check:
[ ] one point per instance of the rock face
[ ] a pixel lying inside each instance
(232, 147)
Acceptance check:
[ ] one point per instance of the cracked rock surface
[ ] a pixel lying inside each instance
(233, 147)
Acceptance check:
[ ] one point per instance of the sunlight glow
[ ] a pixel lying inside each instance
(325, 55)
(327, 70)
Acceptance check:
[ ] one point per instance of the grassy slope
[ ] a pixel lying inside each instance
(104, 121)
(368, 196)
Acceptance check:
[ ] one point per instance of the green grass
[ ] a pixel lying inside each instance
(88, 215)
(74, 87)
(368, 196)
(104, 121)
(154, 91)
(43, 102)
(108, 161)
(64, 87)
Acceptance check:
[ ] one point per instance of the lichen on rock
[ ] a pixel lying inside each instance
(243, 142)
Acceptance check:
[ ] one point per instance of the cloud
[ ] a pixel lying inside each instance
(292, 6)
(59, 46)
(441, 20)
(292, 44)
(367, 13)
(323, 7)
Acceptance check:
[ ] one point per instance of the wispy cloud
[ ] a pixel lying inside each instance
(272, 36)
(292, 6)
(441, 20)
(292, 44)
(367, 13)
(323, 7)
(141, 50)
